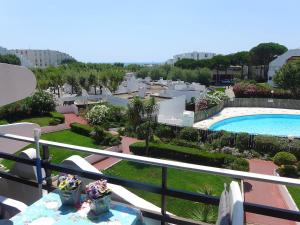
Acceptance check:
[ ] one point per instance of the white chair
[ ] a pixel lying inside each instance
(10, 207)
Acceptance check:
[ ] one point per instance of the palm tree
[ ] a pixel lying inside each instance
(92, 81)
(150, 109)
(135, 112)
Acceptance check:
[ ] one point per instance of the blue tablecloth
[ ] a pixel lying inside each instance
(49, 211)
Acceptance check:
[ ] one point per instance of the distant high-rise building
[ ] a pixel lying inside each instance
(3, 51)
(191, 55)
(40, 58)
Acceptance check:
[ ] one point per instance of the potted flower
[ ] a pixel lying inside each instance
(69, 189)
(99, 195)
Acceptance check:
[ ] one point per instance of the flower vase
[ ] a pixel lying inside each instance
(100, 205)
(71, 197)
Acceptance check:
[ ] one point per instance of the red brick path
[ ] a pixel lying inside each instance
(72, 118)
(264, 193)
(104, 164)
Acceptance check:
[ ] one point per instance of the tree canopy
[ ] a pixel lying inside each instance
(10, 59)
(288, 77)
(264, 53)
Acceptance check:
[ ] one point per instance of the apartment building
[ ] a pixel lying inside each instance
(191, 55)
(40, 58)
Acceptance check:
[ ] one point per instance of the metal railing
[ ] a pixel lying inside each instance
(162, 190)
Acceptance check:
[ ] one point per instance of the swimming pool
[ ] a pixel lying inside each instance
(268, 124)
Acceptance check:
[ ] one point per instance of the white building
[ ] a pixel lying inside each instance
(40, 58)
(191, 55)
(277, 63)
(3, 51)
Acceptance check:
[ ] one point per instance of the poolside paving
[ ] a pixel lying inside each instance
(264, 193)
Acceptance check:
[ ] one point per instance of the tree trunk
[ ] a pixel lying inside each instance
(242, 73)
(147, 138)
(95, 89)
(58, 91)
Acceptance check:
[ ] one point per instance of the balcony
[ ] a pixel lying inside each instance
(46, 183)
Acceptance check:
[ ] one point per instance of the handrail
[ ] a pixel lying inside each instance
(164, 163)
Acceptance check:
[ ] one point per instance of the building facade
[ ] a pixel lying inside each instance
(40, 58)
(276, 64)
(191, 55)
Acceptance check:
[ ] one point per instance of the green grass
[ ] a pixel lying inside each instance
(59, 154)
(178, 179)
(222, 89)
(42, 121)
(295, 193)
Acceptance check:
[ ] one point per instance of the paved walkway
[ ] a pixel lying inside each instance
(69, 118)
(264, 193)
(106, 163)
(72, 118)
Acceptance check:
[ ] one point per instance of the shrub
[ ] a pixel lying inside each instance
(54, 122)
(3, 122)
(97, 115)
(226, 139)
(288, 171)
(189, 134)
(184, 154)
(41, 103)
(141, 131)
(185, 143)
(267, 145)
(81, 129)
(242, 141)
(240, 164)
(164, 131)
(59, 116)
(284, 158)
(103, 137)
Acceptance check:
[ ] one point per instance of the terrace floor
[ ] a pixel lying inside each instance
(230, 112)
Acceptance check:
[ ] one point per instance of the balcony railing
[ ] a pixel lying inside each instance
(163, 190)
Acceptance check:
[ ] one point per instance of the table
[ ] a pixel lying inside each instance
(49, 211)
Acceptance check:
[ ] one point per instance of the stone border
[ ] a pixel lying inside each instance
(231, 112)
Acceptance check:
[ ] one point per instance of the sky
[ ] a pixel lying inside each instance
(147, 31)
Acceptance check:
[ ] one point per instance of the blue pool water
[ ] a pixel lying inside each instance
(274, 124)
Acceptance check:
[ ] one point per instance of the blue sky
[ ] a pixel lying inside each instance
(147, 31)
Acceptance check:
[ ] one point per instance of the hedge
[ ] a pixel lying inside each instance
(81, 129)
(184, 154)
(58, 116)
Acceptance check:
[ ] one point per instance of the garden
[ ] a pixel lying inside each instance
(38, 108)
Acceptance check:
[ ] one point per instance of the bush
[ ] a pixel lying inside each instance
(242, 141)
(59, 116)
(284, 158)
(240, 164)
(103, 137)
(267, 144)
(54, 122)
(184, 154)
(3, 122)
(220, 139)
(81, 129)
(41, 103)
(189, 134)
(98, 115)
(288, 171)
(141, 131)
(185, 143)
(164, 131)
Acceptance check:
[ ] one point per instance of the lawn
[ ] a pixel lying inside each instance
(59, 154)
(42, 121)
(295, 193)
(177, 179)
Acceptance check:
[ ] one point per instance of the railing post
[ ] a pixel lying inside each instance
(46, 161)
(38, 164)
(163, 194)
